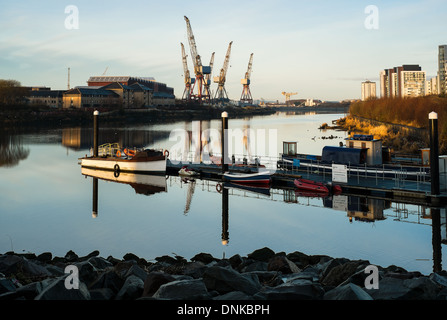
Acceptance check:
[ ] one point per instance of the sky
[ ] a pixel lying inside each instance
(320, 49)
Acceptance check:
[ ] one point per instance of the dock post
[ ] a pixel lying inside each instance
(434, 153)
(95, 133)
(224, 141)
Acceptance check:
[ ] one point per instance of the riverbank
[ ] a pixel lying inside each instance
(45, 117)
(262, 275)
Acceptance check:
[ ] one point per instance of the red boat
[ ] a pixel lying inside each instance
(313, 186)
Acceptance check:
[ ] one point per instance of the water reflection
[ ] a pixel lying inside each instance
(11, 149)
(144, 184)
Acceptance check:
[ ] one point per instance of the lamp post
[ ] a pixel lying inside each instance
(95, 133)
(434, 152)
(224, 141)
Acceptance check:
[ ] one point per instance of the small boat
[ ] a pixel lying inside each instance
(248, 178)
(185, 171)
(314, 186)
(147, 161)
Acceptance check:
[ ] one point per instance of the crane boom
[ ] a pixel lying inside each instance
(187, 76)
(199, 70)
(250, 63)
(246, 94)
(221, 93)
(207, 83)
(193, 47)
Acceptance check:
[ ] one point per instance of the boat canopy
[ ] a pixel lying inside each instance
(342, 155)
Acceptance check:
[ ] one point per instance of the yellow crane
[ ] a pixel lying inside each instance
(288, 95)
(221, 93)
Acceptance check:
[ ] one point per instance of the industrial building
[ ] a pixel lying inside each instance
(45, 96)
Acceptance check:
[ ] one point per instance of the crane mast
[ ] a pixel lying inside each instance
(246, 94)
(221, 93)
(207, 83)
(288, 95)
(188, 79)
(199, 69)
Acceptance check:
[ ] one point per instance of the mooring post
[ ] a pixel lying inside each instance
(434, 152)
(95, 198)
(95, 133)
(224, 140)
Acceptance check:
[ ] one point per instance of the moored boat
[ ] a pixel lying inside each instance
(248, 178)
(314, 186)
(146, 161)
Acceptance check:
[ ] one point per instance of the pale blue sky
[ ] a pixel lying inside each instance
(320, 49)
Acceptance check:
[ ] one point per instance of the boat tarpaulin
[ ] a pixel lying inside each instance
(342, 155)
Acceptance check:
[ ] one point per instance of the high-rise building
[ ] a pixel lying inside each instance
(403, 81)
(368, 90)
(431, 86)
(442, 69)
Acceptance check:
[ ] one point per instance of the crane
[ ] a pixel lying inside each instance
(288, 95)
(246, 94)
(221, 93)
(207, 83)
(188, 79)
(199, 69)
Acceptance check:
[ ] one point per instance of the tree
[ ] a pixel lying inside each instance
(11, 92)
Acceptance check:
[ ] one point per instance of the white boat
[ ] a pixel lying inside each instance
(146, 161)
(248, 178)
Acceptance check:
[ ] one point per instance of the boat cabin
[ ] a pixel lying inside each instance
(373, 147)
(289, 148)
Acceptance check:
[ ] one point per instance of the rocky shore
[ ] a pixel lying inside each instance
(263, 275)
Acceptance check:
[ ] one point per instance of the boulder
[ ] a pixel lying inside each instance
(341, 273)
(391, 288)
(348, 291)
(183, 290)
(110, 280)
(132, 289)
(263, 254)
(203, 257)
(224, 280)
(283, 265)
(57, 290)
(303, 291)
(153, 282)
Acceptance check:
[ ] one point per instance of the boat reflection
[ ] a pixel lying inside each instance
(144, 184)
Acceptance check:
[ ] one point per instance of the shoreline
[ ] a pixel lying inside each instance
(74, 117)
(262, 275)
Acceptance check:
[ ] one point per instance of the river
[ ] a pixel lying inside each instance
(46, 203)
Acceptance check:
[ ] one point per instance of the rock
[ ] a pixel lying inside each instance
(70, 256)
(86, 271)
(348, 291)
(56, 290)
(195, 269)
(137, 271)
(234, 296)
(283, 265)
(45, 257)
(391, 288)
(109, 280)
(183, 290)
(224, 280)
(303, 291)
(264, 254)
(26, 271)
(340, 273)
(440, 279)
(203, 257)
(153, 282)
(132, 288)
(100, 263)
(235, 261)
(130, 256)
(7, 285)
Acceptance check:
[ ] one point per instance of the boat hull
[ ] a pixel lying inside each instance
(249, 178)
(310, 186)
(154, 165)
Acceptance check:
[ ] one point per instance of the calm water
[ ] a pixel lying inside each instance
(46, 202)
